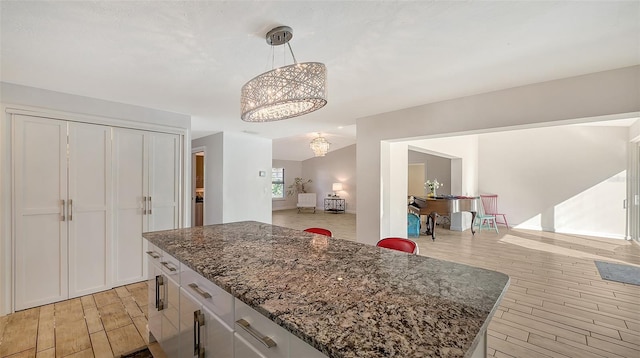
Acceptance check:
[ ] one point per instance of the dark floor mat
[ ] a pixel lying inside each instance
(143, 353)
(619, 273)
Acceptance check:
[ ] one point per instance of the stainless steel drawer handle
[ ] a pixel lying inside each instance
(63, 212)
(166, 264)
(159, 291)
(198, 321)
(200, 291)
(144, 205)
(153, 254)
(268, 342)
(70, 209)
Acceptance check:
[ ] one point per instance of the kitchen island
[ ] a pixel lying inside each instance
(343, 298)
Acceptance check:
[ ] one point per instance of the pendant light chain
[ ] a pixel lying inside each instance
(292, 55)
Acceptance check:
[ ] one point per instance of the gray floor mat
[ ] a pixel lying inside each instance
(619, 273)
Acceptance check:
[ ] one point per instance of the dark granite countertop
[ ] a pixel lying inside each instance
(346, 299)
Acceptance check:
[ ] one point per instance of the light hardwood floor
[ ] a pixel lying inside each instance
(556, 306)
(341, 225)
(105, 324)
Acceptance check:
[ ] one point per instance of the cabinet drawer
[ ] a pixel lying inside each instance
(211, 296)
(170, 266)
(243, 349)
(154, 254)
(258, 330)
(298, 348)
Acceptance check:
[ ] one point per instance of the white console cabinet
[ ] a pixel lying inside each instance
(211, 322)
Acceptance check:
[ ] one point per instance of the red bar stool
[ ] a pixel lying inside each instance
(319, 230)
(400, 244)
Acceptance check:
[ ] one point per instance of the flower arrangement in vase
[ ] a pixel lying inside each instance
(432, 186)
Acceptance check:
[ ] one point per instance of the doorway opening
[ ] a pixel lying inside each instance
(198, 185)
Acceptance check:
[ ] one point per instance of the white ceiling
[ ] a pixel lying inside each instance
(193, 57)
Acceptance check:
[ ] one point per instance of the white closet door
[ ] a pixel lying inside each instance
(128, 172)
(40, 186)
(164, 167)
(89, 208)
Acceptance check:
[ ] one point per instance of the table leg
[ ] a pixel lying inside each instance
(433, 217)
(473, 221)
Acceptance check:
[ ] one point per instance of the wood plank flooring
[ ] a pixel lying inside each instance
(341, 225)
(105, 324)
(557, 304)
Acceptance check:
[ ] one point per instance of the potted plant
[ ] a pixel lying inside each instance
(297, 186)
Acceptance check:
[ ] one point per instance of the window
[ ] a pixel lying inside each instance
(277, 183)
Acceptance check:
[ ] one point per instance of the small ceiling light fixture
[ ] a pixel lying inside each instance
(319, 145)
(287, 91)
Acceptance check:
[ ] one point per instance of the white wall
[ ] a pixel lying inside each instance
(64, 105)
(416, 179)
(633, 190)
(564, 179)
(634, 132)
(213, 176)
(337, 166)
(435, 167)
(394, 156)
(609, 94)
(51, 100)
(233, 189)
(292, 170)
(464, 148)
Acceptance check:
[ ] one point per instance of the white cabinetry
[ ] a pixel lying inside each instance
(202, 333)
(82, 196)
(156, 291)
(212, 323)
(244, 349)
(206, 316)
(297, 348)
(164, 300)
(146, 177)
(170, 341)
(62, 196)
(266, 337)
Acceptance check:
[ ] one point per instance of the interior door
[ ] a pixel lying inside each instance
(163, 193)
(40, 189)
(90, 208)
(128, 173)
